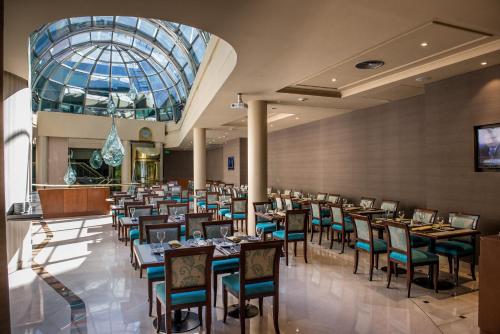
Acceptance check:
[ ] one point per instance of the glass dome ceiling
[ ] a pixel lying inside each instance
(146, 66)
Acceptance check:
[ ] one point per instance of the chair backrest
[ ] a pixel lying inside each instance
(162, 206)
(160, 193)
(425, 216)
(262, 207)
(155, 199)
(119, 197)
(391, 206)
(398, 238)
(193, 222)
(337, 214)
(140, 210)
(279, 203)
(288, 203)
(185, 194)
(201, 192)
(315, 210)
(212, 229)
(321, 197)
(188, 269)
(178, 209)
(269, 190)
(333, 198)
(176, 190)
(149, 220)
(464, 220)
(296, 221)
(211, 197)
(287, 192)
(239, 205)
(367, 202)
(297, 194)
(172, 232)
(362, 229)
(128, 203)
(259, 262)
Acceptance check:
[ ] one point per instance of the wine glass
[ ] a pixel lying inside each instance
(161, 236)
(259, 231)
(132, 213)
(224, 230)
(440, 221)
(344, 201)
(401, 214)
(197, 236)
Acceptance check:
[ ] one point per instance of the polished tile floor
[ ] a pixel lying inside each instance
(320, 297)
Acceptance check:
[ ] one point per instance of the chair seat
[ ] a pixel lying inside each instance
(200, 203)
(454, 248)
(417, 256)
(133, 234)
(155, 272)
(232, 283)
(227, 264)
(325, 221)
(184, 200)
(183, 229)
(379, 246)
(291, 236)
(120, 215)
(235, 215)
(210, 206)
(296, 205)
(266, 226)
(417, 241)
(349, 228)
(223, 211)
(198, 296)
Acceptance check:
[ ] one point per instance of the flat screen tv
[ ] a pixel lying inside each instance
(487, 147)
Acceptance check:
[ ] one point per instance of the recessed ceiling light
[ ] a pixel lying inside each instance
(484, 63)
(424, 44)
(297, 117)
(370, 64)
(302, 99)
(334, 79)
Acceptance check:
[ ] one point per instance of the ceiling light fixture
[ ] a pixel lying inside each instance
(370, 64)
(484, 63)
(297, 117)
(334, 79)
(239, 104)
(302, 99)
(424, 44)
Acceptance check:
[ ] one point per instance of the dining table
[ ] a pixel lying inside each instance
(125, 223)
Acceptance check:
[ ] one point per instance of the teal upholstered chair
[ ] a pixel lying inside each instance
(119, 199)
(224, 208)
(200, 197)
(400, 252)
(390, 207)
(424, 216)
(267, 226)
(178, 210)
(239, 211)
(341, 224)
(156, 274)
(321, 197)
(141, 229)
(175, 193)
(365, 242)
(139, 211)
(456, 248)
(367, 202)
(153, 200)
(185, 196)
(162, 206)
(187, 284)
(194, 222)
(210, 205)
(295, 231)
(278, 203)
(258, 277)
(318, 221)
(333, 198)
(212, 230)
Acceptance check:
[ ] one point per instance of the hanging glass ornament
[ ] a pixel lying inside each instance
(70, 176)
(96, 159)
(132, 93)
(112, 151)
(111, 106)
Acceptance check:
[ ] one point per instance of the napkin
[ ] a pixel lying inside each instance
(174, 244)
(234, 239)
(422, 228)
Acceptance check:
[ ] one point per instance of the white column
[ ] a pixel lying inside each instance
(42, 159)
(199, 159)
(159, 147)
(257, 158)
(126, 165)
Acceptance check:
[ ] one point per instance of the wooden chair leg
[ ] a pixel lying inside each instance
(242, 316)
(200, 315)
(320, 234)
(224, 302)
(450, 265)
(286, 252)
(276, 313)
(295, 248)
(150, 296)
(332, 238)
(214, 279)
(312, 232)
(208, 317)
(396, 269)
(356, 258)
(305, 249)
(473, 267)
(261, 306)
(343, 243)
(389, 272)
(371, 265)
(456, 261)
(158, 314)
(436, 275)
(168, 321)
(409, 278)
(376, 261)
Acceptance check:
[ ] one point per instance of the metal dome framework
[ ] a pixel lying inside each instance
(146, 66)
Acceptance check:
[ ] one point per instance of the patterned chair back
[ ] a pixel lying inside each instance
(315, 210)
(425, 216)
(155, 199)
(333, 198)
(128, 199)
(297, 194)
(464, 220)
(279, 203)
(188, 269)
(149, 220)
(201, 193)
(176, 190)
(288, 203)
(140, 210)
(238, 205)
(212, 229)
(211, 198)
(391, 206)
(162, 206)
(399, 237)
(296, 221)
(178, 209)
(367, 202)
(172, 232)
(321, 197)
(337, 214)
(193, 222)
(262, 207)
(362, 229)
(259, 262)
(160, 193)
(287, 192)
(185, 194)
(269, 190)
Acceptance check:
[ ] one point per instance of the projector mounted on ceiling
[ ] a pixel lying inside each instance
(240, 104)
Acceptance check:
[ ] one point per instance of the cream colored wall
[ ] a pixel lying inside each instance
(58, 159)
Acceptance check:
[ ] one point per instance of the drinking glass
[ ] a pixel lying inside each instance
(260, 232)
(224, 230)
(197, 236)
(344, 201)
(401, 214)
(132, 212)
(161, 236)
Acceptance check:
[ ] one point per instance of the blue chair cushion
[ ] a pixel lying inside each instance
(184, 200)
(291, 236)
(155, 272)
(198, 296)
(266, 226)
(295, 205)
(349, 228)
(133, 234)
(325, 221)
(454, 248)
(235, 215)
(227, 264)
(223, 211)
(232, 283)
(417, 241)
(120, 215)
(417, 256)
(200, 203)
(183, 229)
(378, 245)
(325, 212)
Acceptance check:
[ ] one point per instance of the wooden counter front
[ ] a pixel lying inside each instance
(72, 202)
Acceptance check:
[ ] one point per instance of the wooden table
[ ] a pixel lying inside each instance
(271, 216)
(125, 223)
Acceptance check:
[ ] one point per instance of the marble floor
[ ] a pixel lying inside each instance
(84, 265)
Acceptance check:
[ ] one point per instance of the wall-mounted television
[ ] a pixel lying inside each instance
(230, 163)
(487, 147)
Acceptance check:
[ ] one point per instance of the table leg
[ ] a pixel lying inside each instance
(182, 321)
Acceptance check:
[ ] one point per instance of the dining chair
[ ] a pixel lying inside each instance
(177, 209)
(287, 192)
(223, 209)
(424, 216)
(267, 226)
(162, 206)
(333, 198)
(367, 202)
(200, 194)
(193, 222)
(341, 224)
(460, 247)
(211, 205)
(140, 210)
(258, 277)
(156, 274)
(400, 252)
(318, 221)
(288, 202)
(295, 230)
(239, 212)
(279, 203)
(212, 230)
(321, 197)
(365, 242)
(185, 196)
(187, 284)
(390, 206)
(175, 192)
(143, 222)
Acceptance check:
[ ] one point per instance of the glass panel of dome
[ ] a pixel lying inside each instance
(160, 98)
(126, 57)
(73, 96)
(174, 95)
(99, 82)
(166, 79)
(160, 57)
(199, 49)
(42, 43)
(101, 68)
(120, 84)
(72, 60)
(48, 105)
(58, 29)
(101, 36)
(96, 99)
(78, 79)
(147, 68)
(103, 20)
(182, 91)
(79, 23)
(188, 33)
(80, 38)
(179, 56)
(95, 54)
(86, 65)
(123, 101)
(156, 82)
(165, 40)
(142, 46)
(122, 38)
(134, 70)
(126, 22)
(171, 69)
(147, 28)
(118, 70)
(141, 84)
(71, 108)
(189, 74)
(61, 46)
(52, 91)
(60, 74)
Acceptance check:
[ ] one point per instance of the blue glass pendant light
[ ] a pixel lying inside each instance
(96, 159)
(112, 151)
(70, 176)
